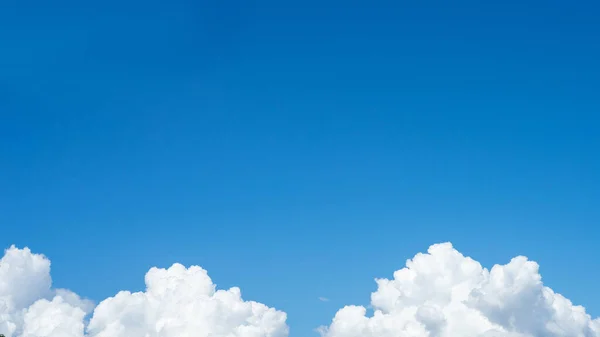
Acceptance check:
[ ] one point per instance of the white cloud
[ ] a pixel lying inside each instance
(28, 305)
(445, 294)
(178, 302)
(438, 294)
(323, 299)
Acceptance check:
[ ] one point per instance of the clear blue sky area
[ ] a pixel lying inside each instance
(299, 149)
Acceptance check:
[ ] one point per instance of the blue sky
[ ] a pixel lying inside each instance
(299, 149)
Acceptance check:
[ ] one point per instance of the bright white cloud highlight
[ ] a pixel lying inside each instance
(178, 302)
(445, 294)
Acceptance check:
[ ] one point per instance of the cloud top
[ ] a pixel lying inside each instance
(445, 294)
(178, 302)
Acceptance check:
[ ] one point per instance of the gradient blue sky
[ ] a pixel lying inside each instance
(299, 149)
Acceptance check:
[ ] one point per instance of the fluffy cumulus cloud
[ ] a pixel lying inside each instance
(29, 307)
(178, 302)
(438, 294)
(445, 294)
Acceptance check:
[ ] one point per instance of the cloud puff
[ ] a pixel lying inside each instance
(178, 302)
(445, 294)
(28, 305)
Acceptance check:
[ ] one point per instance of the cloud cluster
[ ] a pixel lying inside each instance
(438, 294)
(445, 294)
(178, 302)
(29, 307)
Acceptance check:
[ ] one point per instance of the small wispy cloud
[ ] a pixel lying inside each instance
(323, 299)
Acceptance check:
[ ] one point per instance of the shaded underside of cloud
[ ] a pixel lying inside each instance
(178, 302)
(445, 294)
